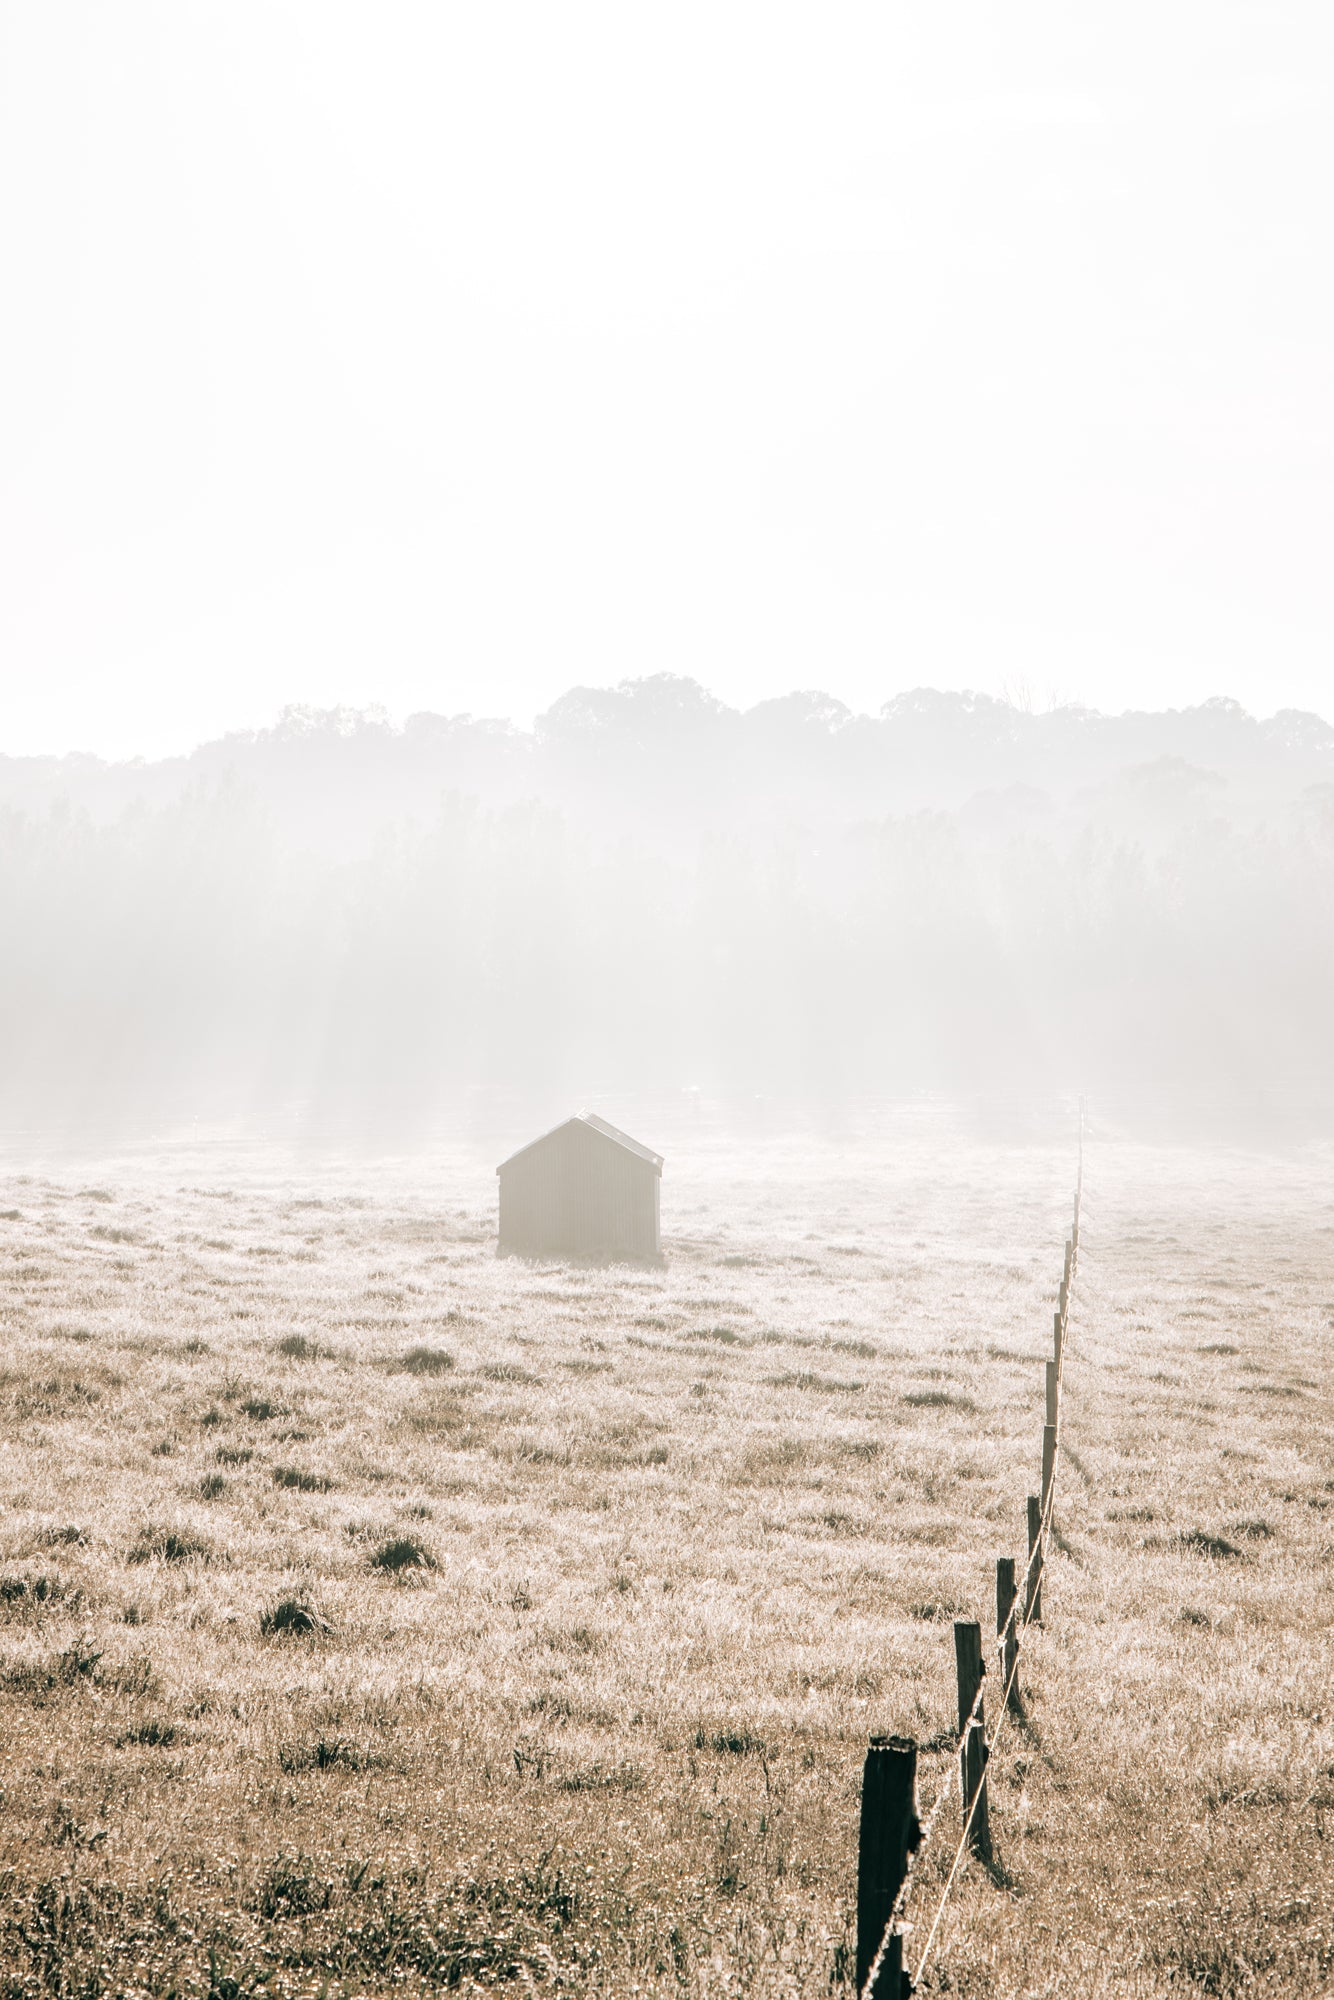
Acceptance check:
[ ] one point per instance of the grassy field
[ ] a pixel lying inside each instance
(382, 1617)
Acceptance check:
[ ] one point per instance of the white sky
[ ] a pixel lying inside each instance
(444, 356)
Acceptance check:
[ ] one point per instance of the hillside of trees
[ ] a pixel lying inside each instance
(351, 929)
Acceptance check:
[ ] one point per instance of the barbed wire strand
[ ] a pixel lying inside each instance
(1032, 1582)
(1021, 1610)
(961, 1849)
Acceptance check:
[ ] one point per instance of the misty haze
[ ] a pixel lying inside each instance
(666, 1001)
(341, 927)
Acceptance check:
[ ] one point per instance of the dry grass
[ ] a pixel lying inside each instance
(379, 1617)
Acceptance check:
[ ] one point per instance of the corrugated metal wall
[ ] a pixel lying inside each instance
(579, 1194)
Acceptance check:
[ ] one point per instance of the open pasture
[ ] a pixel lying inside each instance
(377, 1616)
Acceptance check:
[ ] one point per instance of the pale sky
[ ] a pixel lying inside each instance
(444, 356)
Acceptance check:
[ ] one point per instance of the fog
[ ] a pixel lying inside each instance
(348, 929)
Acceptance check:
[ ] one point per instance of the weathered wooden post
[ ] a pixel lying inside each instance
(1053, 1394)
(1048, 1466)
(970, 1667)
(1007, 1631)
(1033, 1580)
(1057, 1336)
(889, 1833)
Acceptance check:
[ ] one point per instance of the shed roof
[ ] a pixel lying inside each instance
(595, 1124)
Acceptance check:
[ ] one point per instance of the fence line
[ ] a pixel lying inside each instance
(892, 1839)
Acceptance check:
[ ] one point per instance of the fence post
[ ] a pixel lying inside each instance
(970, 1668)
(1057, 1336)
(1033, 1581)
(1048, 1466)
(889, 1833)
(1053, 1388)
(1009, 1647)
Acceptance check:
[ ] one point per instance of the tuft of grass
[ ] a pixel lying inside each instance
(78, 1662)
(425, 1361)
(1201, 1543)
(64, 1538)
(940, 1399)
(937, 1610)
(150, 1735)
(805, 1378)
(604, 1778)
(233, 1454)
(402, 1552)
(580, 1640)
(212, 1486)
(291, 1615)
(169, 1545)
(326, 1753)
(296, 1347)
(35, 1590)
(730, 1742)
(841, 1523)
(291, 1888)
(260, 1409)
(300, 1482)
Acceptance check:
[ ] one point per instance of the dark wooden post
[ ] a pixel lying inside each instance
(970, 1668)
(889, 1833)
(1033, 1581)
(1007, 1631)
(1048, 1466)
(1057, 1336)
(1053, 1386)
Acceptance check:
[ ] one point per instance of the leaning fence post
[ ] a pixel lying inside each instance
(1033, 1581)
(1007, 1631)
(889, 1833)
(970, 1668)
(1053, 1390)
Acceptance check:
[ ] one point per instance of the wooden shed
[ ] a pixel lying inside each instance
(583, 1190)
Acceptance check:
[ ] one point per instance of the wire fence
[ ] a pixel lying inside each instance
(893, 1840)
